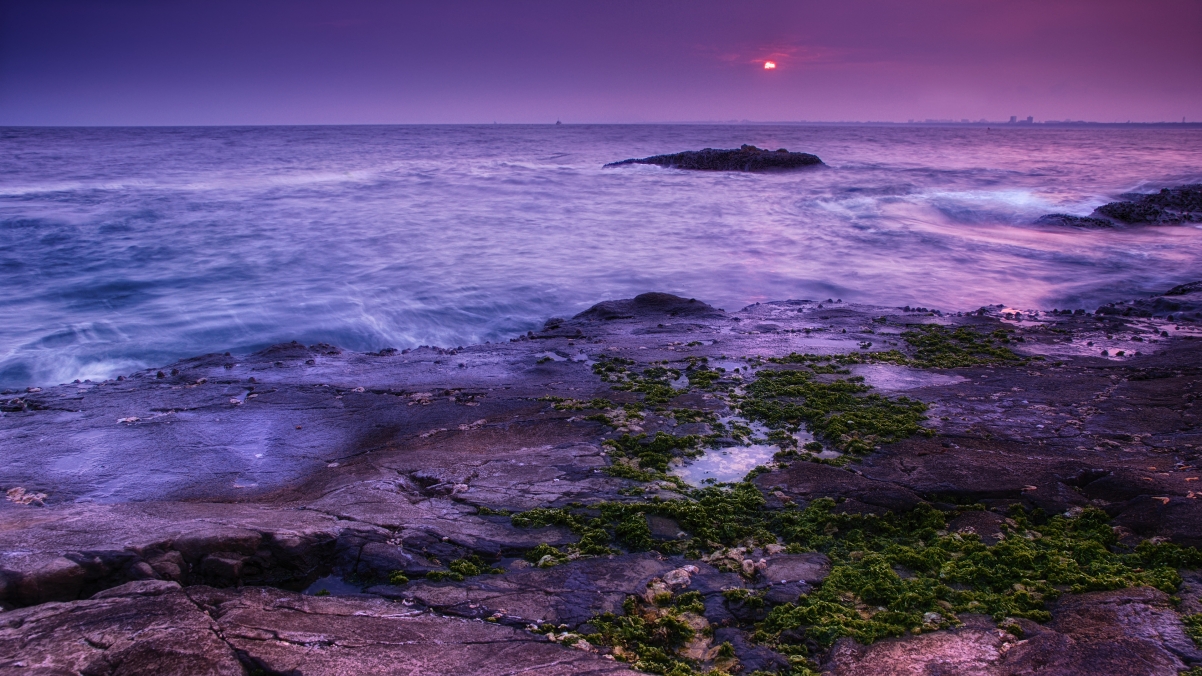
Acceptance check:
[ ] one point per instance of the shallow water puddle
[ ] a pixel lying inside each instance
(725, 464)
(333, 586)
(894, 378)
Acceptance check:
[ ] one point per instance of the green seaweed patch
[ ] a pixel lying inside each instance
(744, 597)
(563, 404)
(463, 568)
(845, 412)
(713, 516)
(654, 382)
(689, 415)
(701, 376)
(785, 440)
(904, 573)
(1193, 627)
(933, 346)
(940, 347)
(891, 574)
(648, 641)
(655, 453)
(545, 556)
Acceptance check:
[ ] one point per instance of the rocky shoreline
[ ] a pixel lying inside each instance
(985, 492)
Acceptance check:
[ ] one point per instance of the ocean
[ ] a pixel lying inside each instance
(126, 248)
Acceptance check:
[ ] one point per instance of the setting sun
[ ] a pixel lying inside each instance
(769, 65)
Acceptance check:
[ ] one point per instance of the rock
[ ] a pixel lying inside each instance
(663, 528)
(986, 525)
(1190, 592)
(811, 568)
(808, 481)
(1182, 204)
(752, 657)
(1170, 206)
(569, 593)
(648, 305)
(1184, 289)
(1077, 221)
(123, 631)
(778, 593)
(971, 650)
(1128, 631)
(1176, 517)
(133, 631)
(744, 158)
(358, 466)
(139, 588)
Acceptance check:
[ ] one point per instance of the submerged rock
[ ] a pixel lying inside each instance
(744, 158)
(1170, 206)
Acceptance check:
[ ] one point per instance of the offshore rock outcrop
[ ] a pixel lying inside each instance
(493, 509)
(743, 158)
(1170, 206)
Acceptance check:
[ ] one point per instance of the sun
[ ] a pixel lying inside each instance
(769, 65)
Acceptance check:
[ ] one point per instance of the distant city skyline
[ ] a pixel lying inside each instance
(133, 62)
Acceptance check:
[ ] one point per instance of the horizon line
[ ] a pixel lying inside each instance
(914, 123)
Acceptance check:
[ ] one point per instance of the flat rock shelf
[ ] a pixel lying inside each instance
(991, 491)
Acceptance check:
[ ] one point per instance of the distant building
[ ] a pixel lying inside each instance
(1030, 119)
(1013, 119)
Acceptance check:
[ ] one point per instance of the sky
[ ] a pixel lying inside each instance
(165, 62)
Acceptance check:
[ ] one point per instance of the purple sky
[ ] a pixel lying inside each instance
(383, 61)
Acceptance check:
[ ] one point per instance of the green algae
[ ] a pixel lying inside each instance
(701, 376)
(655, 453)
(1193, 627)
(844, 412)
(688, 415)
(891, 574)
(545, 556)
(939, 347)
(461, 569)
(653, 382)
(646, 641)
(866, 598)
(932, 346)
(563, 404)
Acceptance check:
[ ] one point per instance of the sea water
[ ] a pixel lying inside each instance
(125, 248)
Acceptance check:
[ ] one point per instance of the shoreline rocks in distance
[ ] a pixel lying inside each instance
(1170, 206)
(743, 158)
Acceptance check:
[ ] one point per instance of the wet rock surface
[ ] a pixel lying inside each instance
(744, 158)
(177, 515)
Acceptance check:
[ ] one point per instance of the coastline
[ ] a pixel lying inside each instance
(323, 464)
